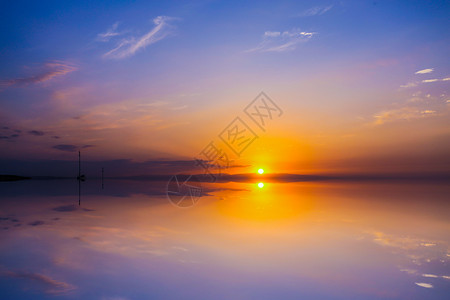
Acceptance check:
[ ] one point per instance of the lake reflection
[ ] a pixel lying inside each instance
(282, 241)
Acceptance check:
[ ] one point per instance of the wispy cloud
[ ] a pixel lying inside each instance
(129, 47)
(424, 71)
(36, 223)
(435, 80)
(276, 41)
(49, 71)
(418, 107)
(65, 147)
(316, 11)
(50, 285)
(413, 84)
(403, 113)
(408, 85)
(111, 32)
(70, 148)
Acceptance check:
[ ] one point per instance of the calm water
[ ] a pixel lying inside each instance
(284, 241)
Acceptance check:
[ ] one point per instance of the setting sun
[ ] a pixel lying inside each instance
(260, 171)
(260, 185)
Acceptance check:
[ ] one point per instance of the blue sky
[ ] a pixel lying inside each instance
(151, 76)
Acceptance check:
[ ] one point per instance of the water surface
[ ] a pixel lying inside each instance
(284, 241)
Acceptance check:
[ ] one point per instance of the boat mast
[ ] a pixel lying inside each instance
(79, 164)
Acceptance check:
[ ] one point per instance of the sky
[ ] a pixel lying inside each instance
(145, 87)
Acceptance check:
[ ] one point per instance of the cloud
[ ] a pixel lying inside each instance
(111, 32)
(418, 107)
(65, 147)
(424, 71)
(403, 113)
(36, 132)
(435, 80)
(276, 41)
(428, 111)
(129, 47)
(70, 148)
(50, 285)
(179, 107)
(408, 85)
(316, 11)
(49, 71)
(272, 33)
(413, 84)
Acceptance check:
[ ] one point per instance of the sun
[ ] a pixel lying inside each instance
(260, 185)
(260, 171)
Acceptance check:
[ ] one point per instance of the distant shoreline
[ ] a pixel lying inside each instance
(248, 177)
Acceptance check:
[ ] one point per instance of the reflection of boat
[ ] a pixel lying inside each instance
(80, 177)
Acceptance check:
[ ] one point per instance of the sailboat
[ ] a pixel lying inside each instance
(80, 177)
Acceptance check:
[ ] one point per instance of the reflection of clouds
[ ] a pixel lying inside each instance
(429, 255)
(428, 244)
(405, 243)
(70, 207)
(430, 275)
(50, 285)
(7, 222)
(125, 245)
(386, 240)
(130, 242)
(409, 271)
(425, 285)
